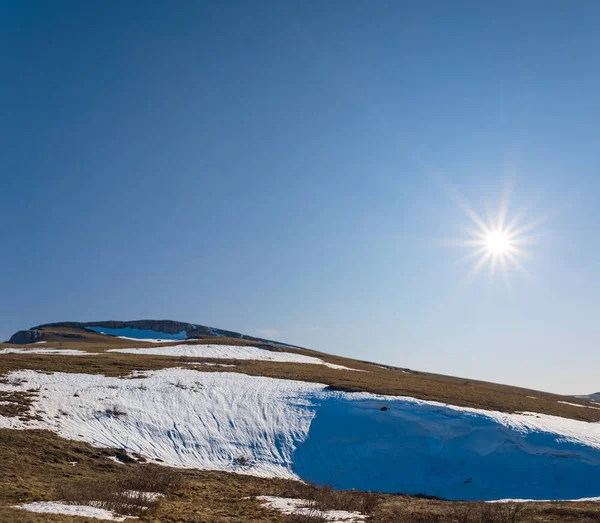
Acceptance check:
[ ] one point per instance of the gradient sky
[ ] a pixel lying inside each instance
(287, 169)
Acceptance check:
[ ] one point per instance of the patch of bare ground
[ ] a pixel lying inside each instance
(40, 466)
(404, 509)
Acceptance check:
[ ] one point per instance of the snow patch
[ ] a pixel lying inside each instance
(58, 507)
(183, 417)
(228, 352)
(209, 364)
(292, 429)
(145, 496)
(578, 405)
(302, 507)
(63, 352)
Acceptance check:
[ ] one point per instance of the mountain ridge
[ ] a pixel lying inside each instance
(168, 327)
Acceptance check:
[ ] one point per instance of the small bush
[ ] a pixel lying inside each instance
(115, 412)
(313, 516)
(123, 457)
(108, 496)
(242, 461)
(153, 478)
(327, 498)
(138, 494)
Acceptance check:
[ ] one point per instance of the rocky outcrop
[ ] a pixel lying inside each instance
(26, 337)
(166, 326)
(35, 335)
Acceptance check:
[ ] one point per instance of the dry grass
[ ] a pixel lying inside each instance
(138, 493)
(327, 498)
(16, 404)
(37, 466)
(313, 516)
(405, 509)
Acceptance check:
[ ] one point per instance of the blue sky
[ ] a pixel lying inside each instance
(286, 169)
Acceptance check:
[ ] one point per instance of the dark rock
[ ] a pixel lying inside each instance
(26, 337)
(166, 326)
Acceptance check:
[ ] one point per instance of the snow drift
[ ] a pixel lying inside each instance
(283, 428)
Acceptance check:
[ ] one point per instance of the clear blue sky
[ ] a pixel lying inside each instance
(284, 168)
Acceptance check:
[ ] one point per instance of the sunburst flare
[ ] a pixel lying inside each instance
(497, 242)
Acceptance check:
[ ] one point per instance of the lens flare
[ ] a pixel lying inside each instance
(497, 241)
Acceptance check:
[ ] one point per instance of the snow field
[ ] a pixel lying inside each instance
(58, 507)
(291, 429)
(62, 352)
(229, 352)
(181, 416)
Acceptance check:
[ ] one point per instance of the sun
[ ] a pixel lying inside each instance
(497, 242)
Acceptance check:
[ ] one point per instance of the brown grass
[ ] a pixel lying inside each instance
(16, 404)
(383, 381)
(313, 516)
(327, 498)
(36, 466)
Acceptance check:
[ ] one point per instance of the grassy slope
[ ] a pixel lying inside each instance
(36, 465)
(377, 379)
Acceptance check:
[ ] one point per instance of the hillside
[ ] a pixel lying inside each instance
(241, 417)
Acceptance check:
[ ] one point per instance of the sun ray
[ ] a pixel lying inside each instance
(476, 269)
(505, 276)
(460, 200)
(473, 254)
(497, 244)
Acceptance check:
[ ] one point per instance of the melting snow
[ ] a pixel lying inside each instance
(57, 507)
(229, 352)
(292, 429)
(184, 417)
(578, 405)
(302, 507)
(63, 352)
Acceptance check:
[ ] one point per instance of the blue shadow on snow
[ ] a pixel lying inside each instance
(139, 333)
(423, 449)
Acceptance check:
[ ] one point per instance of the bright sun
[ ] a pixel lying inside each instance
(497, 242)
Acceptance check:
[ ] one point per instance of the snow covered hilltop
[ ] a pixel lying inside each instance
(194, 397)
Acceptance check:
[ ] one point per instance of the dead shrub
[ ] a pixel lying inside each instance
(153, 478)
(138, 494)
(493, 513)
(312, 516)
(109, 496)
(115, 412)
(327, 498)
(242, 461)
